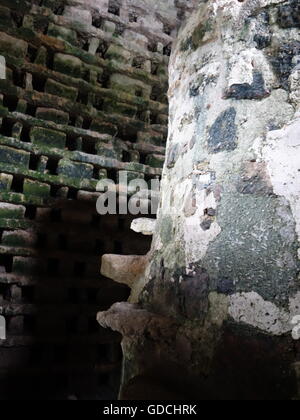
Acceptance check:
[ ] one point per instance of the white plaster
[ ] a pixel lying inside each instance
(244, 63)
(250, 308)
(281, 153)
(143, 225)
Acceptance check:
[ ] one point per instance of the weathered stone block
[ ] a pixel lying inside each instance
(15, 157)
(75, 169)
(12, 45)
(107, 150)
(131, 175)
(109, 27)
(150, 137)
(11, 211)
(123, 269)
(59, 117)
(36, 188)
(58, 89)
(156, 161)
(68, 64)
(125, 83)
(19, 238)
(115, 52)
(49, 138)
(63, 33)
(78, 16)
(5, 182)
(119, 108)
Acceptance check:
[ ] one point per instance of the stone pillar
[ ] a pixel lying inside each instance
(225, 255)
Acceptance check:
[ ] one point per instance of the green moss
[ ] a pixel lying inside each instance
(15, 239)
(17, 198)
(14, 156)
(75, 169)
(11, 211)
(119, 108)
(14, 224)
(62, 33)
(49, 138)
(35, 188)
(58, 89)
(62, 180)
(197, 38)
(5, 182)
(156, 161)
(54, 115)
(67, 64)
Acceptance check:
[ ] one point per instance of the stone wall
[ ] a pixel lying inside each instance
(222, 286)
(84, 98)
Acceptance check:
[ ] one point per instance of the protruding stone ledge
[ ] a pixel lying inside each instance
(125, 269)
(130, 320)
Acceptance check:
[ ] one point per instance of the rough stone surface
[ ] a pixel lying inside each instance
(144, 226)
(126, 269)
(224, 262)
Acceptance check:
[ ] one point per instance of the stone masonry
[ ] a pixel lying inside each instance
(85, 97)
(214, 316)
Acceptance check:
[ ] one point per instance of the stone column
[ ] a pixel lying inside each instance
(225, 255)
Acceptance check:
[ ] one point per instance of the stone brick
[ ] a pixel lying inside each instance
(119, 108)
(58, 89)
(156, 161)
(18, 238)
(48, 138)
(48, 114)
(75, 169)
(78, 16)
(151, 138)
(116, 52)
(12, 46)
(5, 182)
(36, 188)
(12, 156)
(11, 211)
(67, 64)
(63, 33)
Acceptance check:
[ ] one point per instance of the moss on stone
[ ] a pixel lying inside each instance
(36, 189)
(49, 138)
